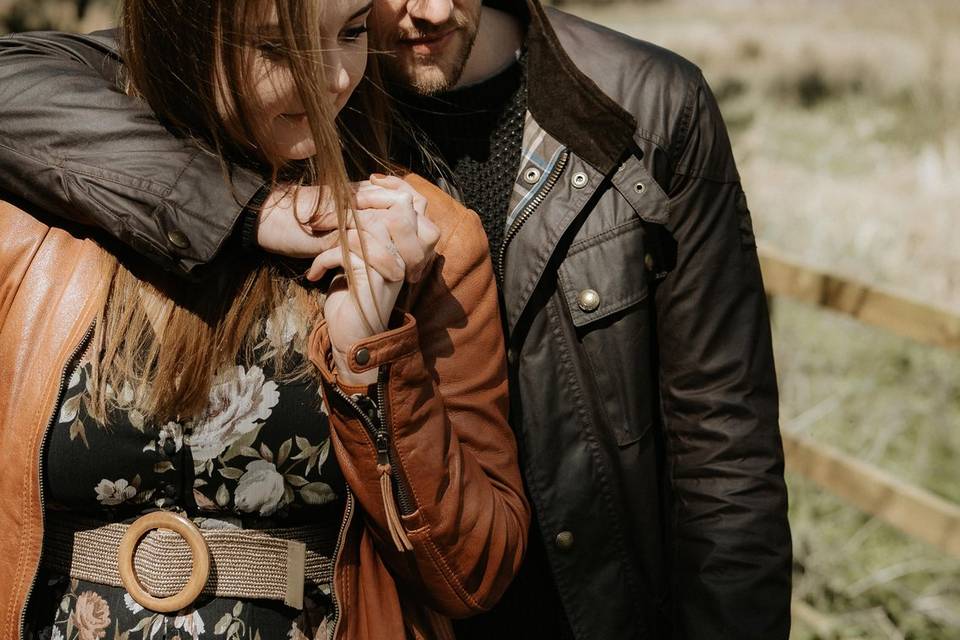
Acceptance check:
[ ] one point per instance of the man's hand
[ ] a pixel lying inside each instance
(283, 228)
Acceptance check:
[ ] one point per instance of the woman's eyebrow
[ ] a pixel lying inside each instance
(362, 11)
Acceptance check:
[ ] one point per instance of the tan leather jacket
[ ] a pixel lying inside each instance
(445, 407)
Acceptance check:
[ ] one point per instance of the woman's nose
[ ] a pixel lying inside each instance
(339, 79)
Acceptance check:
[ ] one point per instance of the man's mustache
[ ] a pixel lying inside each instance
(457, 21)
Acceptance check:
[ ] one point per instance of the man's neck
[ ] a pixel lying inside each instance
(498, 39)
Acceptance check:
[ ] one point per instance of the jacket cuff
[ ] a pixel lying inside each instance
(367, 354)
(249, 217)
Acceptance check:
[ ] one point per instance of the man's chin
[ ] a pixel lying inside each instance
(429, 79)
(429, 74)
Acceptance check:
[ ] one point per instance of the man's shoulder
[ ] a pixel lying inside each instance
(622, 65)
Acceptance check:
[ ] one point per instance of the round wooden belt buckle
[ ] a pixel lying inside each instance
(198, 548)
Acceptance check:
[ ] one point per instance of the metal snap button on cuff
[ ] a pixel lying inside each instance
(588, 300)
(639, 187)
(564, 541)
(178, 239)
(579, 180)
(362, 356)
(531, 175)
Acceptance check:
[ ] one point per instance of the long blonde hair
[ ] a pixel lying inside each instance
(190, 61)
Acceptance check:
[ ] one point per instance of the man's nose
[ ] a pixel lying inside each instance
(432, 11)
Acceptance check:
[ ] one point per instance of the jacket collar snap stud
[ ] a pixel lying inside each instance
(565, 541)
(579, 180)
(362, 356)
(531, 175)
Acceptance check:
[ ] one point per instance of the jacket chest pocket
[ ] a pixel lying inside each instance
(603, 283)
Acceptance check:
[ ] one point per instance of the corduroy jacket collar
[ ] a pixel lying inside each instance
(563, 100)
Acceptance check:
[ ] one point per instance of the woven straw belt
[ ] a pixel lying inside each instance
(271, 564)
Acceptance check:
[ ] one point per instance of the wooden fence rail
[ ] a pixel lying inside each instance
(916, 512)
(871, 305)
(912, 510)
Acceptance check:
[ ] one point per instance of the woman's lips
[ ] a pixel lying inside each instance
(428, 44)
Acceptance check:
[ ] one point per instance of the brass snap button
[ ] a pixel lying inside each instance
(531, 175)
(362, 356)
(565, 541)
(588, 300)
(198, 549)
(579, 180)
(178, 239)
(648, 262)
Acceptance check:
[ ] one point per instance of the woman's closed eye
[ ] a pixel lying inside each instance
(272, 49)
(353, 34)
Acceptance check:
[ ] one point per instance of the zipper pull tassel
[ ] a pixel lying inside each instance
(394, 524)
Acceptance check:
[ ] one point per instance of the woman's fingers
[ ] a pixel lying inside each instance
(382, 255)
(397, 232)
(365, 309)
(402, 209)
(401, 185)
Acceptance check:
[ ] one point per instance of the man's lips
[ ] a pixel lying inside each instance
(428, 44)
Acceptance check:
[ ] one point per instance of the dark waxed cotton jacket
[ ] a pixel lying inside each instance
(643, 387)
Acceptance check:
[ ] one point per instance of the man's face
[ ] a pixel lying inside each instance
(425, 43)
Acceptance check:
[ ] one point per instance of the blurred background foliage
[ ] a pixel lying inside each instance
(845, 123)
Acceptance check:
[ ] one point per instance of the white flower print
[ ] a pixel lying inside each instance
(239, 400)
(281, 331)
(296, 634)
(260, 489)
(114, 493)
(191, 623)
(132, 604)
(170, 431)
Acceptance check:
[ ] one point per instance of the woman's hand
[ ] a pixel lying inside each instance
(399, 241)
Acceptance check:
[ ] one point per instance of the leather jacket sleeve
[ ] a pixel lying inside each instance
(455, 457)
(74, 145)
(732, 562)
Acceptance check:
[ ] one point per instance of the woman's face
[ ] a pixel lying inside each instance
(278, 106)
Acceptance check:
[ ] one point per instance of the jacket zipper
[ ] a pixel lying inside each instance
(337, 550)
(529, 210)
(77, 352)
(375, 423)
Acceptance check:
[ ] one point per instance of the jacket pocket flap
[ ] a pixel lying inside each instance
(604, 274)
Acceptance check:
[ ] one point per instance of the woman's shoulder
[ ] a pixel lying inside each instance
(460, 228)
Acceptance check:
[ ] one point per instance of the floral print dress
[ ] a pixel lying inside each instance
(259, 457)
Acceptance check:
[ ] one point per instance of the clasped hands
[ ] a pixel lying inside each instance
(399, 243)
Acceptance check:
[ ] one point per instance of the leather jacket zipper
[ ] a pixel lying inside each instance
(375, 423)
(337, 551)
(61, 389)
(529, 210)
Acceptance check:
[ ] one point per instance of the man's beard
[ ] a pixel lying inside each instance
(428, 75)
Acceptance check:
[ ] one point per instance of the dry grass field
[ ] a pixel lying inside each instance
(845, 124)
